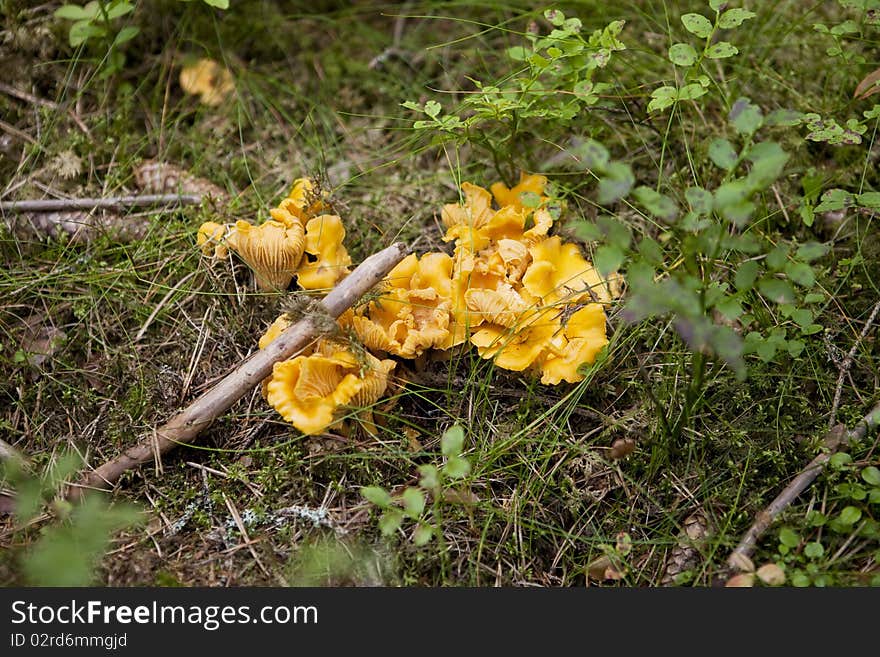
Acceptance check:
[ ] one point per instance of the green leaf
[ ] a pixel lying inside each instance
(776, 290)
(814, 550)
(126, 34)
(682, 54)
(518, 53)
(730, 307)
(377, 495)
(662, 97)
(413, 502)
(697, 24)
(555, 17)
(691, 91)
(608, 259)
(117, 9)
(839, 460)
(783, 118)
(72, 12)
(833, 200)
(430, 478)
(801, 273)
(593, 154)
(745, 117)
(810, 251)
(616, 183)
(850, 515)
(768, 161)
(651, 251)
(432, 109)
(796, 348)
(390, 521)
(869, 199)
(219, 4)
(721, 50)
(82, 31)
(699, 199)
(657, 204)
(788, 538)
(734, 18)
(722, 154)
(423, 534)
(871, 475)
(746, 275)
(457, 467)
(452, 442)
(67, 553)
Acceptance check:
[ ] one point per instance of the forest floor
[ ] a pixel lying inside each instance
(103, 339)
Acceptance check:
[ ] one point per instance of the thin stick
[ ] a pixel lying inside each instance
(109, 203)
(847, 363)
(184, 427)
(835, 439)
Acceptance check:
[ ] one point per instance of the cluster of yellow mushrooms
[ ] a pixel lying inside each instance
(525, 299)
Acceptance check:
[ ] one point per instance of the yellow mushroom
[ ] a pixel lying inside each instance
(582, 338)
(210, 239)
(272, 251)
(308, 390)
(326, 260)
(559, 273)
(518, 349)
(208, 80)
(311, 391)
(412, 313)
(461, 219)
(528, 183)
(503, 306)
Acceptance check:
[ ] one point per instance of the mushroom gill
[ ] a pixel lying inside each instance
(272, 250)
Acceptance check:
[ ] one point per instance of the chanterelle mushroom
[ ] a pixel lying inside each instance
(309, 391)
(272, 250)
(326, 261)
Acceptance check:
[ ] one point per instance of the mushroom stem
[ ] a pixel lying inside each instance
(184, 427)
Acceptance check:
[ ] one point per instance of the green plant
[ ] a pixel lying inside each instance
(697, 80)
(434, 482)
(95, 21)
(729, 288)
(555, 82)
(67, 550)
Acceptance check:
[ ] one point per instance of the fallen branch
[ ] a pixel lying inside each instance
(79, 226)
(184, 427)
(835, 439)
(108, 203)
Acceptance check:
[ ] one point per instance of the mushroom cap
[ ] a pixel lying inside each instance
(323, 240)
(520, 348)
(559, 273)
(461, 218)
(208, 80)
(276, 328)
(533, 183)
(308, 390)
(272, 251)
(582, 338)
(305, 200)
(502, 306)
(210, 239)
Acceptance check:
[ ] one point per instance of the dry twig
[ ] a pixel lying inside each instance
(184, 427)
(108, 203)
(835, 439)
